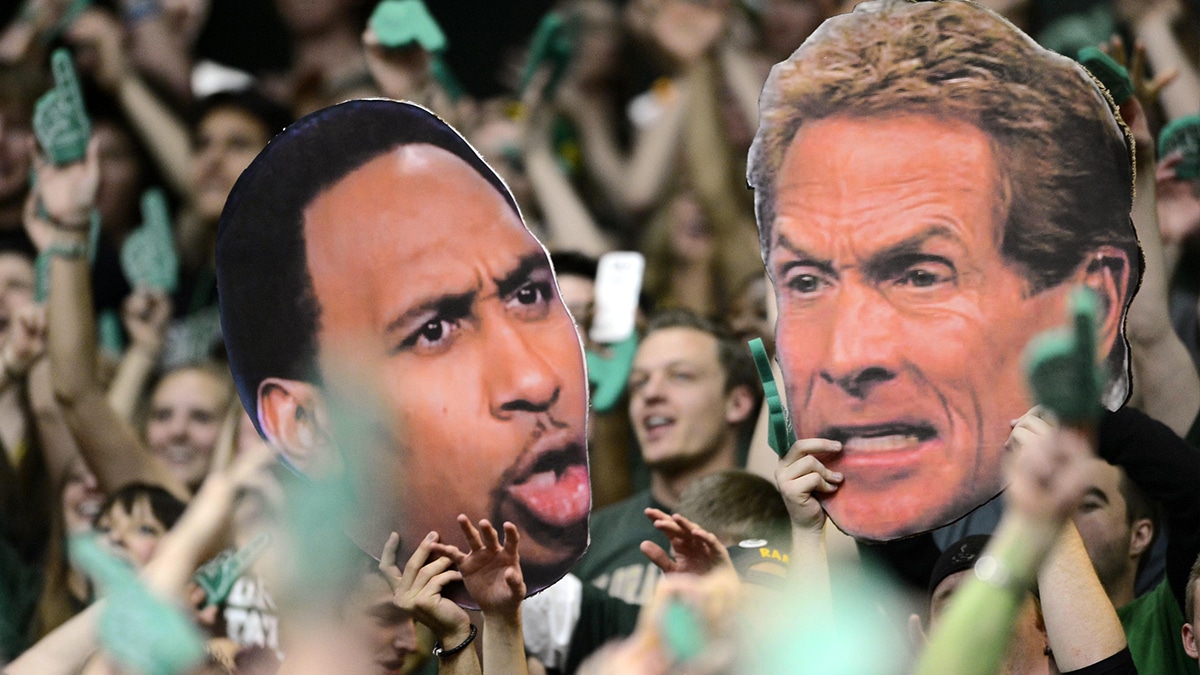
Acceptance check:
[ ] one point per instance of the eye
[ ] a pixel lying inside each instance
(434, 334)
(805, 281)
(148, 530)
(532, 300)
(927, 275)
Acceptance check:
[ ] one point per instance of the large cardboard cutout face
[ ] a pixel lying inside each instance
(372, 231)
(930, 185)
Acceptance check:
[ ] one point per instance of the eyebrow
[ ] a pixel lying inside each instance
(458, 304)
(525, 268)
(881, 261)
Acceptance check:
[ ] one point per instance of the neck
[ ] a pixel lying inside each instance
(666, 486)
(1120, 592)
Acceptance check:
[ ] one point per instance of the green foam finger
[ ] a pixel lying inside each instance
(217, 576)
(398, 23)
(1183, 136)
(780, 435)
(148, 256)
(553, 45)
(60, 120)
(682, 632)
(140, 631)
(609, 375)
(1061, 366)
(1111, 74)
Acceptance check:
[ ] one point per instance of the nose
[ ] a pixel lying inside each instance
(862, 342)
(520, 372)
(406, 639)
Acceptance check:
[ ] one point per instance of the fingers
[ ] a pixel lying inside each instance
(491, 538)
(469, 531)
(658, 556)
(417, 560)
(512, 539)
(800, 464)
(809, 446)
(450, 551)
(387, 559)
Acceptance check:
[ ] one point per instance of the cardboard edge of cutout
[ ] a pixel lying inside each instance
(781, 120)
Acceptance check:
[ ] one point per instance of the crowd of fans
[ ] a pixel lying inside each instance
(708, 554)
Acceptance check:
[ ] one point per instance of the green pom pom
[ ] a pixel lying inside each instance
(398, 23)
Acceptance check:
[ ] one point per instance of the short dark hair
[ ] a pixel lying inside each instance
(1139, 505)
(269, 313)
(736, 505)
(164, 505)
(734, 357)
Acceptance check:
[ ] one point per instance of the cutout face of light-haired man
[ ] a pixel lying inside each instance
(418, 261)
(912, 264)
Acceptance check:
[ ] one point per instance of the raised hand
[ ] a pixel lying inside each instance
(799, 475)
(145, 314)
(1047, 470)
(1178, 201)
(418, 589)
(695, 549)
(26, 340)
(491, 571)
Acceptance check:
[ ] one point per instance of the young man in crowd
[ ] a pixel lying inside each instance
(692, 390)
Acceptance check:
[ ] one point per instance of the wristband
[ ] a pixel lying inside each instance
(441, 653)
(992, 571)
(72, 251)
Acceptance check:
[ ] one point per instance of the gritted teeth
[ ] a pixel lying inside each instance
(880, 435)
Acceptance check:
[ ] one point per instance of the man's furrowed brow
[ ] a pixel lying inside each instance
(524, 269)
(452, 306)
(804, 257)
(889, 260)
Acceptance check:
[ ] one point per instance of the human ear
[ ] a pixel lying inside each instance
(1107, 272)
(1190, 644)
(1140, 536)
(294, 419)
(739, 405)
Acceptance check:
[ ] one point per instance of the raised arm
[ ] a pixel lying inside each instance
(108, 443)
(1166, 384)
(145, 314)
(418, 591)
(165, 135)
(1047, 481)
(800, 476)
(491, 572)
(567, 220)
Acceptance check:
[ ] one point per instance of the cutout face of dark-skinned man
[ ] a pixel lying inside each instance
(430, 287)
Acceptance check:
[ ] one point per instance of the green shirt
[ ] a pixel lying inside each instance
(1152, 626)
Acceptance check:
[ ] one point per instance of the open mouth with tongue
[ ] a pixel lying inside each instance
(546, 494)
